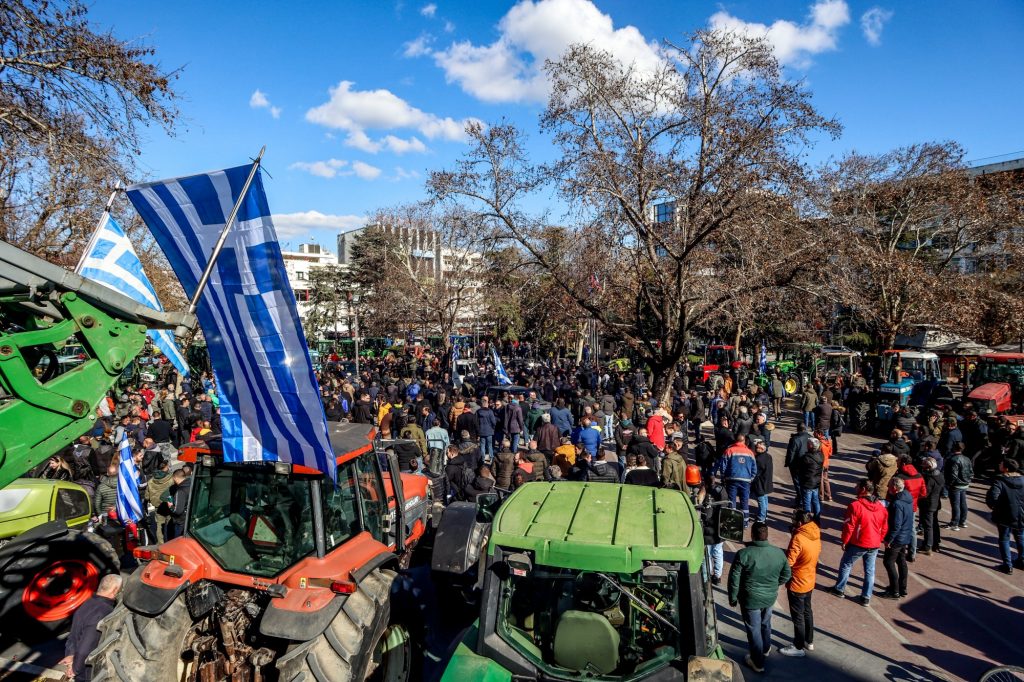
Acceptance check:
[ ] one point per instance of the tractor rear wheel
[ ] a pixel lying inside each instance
(362, 643)
(45, 575)
(134, 647)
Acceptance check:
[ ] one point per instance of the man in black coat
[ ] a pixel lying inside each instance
(724, 436)
(1006, 500)
(795, 451)
(84, 632)
(642, 447)
(929, 505)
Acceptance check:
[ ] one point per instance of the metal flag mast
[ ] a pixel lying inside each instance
(194, 303)
(99, 226)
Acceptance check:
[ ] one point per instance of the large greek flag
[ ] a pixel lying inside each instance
(269, 403)
(499, 369)
(110, 259)
(129, 504)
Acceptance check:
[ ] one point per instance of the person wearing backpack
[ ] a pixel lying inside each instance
(959, 474)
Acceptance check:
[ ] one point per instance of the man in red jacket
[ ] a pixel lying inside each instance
(863, 531)
(656, 428)
(914, 483)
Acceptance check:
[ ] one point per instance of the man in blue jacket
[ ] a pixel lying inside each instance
(737, 467)
(486, 421)
(588, 436)
(898, 539)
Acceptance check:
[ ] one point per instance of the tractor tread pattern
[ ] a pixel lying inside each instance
(342, 652)
(134, 647)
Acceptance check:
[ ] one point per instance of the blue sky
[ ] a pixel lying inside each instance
(358, 101)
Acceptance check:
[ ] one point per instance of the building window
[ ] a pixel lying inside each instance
(663, 212)
(300, 276)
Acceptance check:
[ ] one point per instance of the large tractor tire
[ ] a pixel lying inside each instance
(792, 384)
(135, 647)
(45, 575)
(362, 643)
(862, 416)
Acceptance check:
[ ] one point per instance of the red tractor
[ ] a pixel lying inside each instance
(999, 384)
(282, 573)
(718, 359)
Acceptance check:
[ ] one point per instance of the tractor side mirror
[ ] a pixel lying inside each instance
(654, 575)
(519, 564)
(486, 505)
(730, 524)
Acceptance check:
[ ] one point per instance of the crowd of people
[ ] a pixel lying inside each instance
(580, 423)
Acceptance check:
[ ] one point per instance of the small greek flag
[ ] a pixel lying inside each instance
(129, 504)
(110, 259)
(456, 378)
(270, 405)
(499, 369)
(764, 358)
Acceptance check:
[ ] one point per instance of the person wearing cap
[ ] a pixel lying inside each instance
(673, 466)
(547, 436)
(763, 484)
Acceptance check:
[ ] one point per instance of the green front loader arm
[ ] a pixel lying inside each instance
(42, 418)
(42, 306)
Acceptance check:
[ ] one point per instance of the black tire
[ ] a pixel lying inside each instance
(135, 647)
(362, 642)
(862, 416)
(45, 575)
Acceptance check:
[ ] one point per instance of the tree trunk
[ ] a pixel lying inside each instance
(739, 336)
(661, 383)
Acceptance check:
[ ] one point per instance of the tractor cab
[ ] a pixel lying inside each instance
(718, 359)
(908, 377)
(838, 365)
(999, 383)
(570, 596)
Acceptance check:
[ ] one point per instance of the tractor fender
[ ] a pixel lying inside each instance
(459, 540)
(149, 600)
(299, 625)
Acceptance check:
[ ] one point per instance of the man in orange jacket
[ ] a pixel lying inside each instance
(802, 555)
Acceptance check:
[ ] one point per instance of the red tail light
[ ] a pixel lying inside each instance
(342, 587)
(143, 554)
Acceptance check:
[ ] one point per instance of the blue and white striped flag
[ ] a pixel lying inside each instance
(456, 378)
(499, 369)
(764, 358)
(269, 401)
(110, 259)
(129, 504)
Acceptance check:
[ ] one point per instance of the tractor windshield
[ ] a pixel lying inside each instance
(580, 624)
(723, 357)
(1000, 372)
(250, 519)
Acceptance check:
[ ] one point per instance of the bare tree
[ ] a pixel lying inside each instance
(418, 269)
(72, 104)
(714, 136)
(905, 220)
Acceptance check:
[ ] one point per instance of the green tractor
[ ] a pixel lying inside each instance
(796, 364)
(567, 593)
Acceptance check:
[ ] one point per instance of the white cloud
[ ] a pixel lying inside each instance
(321, 169)
(510, 68)
(403, 174)
(872, 22)
(292, 225)
(356, 111)
(429, 10)
(448, 26)
(365, 170)
(793, 43)
(418, 47)
(259, 100)
(402, 146)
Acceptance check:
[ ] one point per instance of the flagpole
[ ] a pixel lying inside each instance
(194, 303)
(99, 226)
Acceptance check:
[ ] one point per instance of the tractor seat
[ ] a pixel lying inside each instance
(586, 641)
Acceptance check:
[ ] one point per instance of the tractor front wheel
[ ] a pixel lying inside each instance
(363, 642)
(134, 647)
